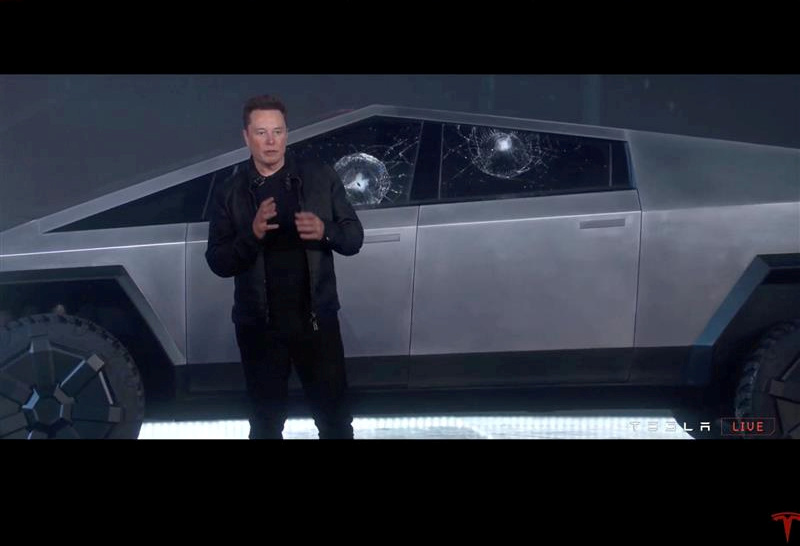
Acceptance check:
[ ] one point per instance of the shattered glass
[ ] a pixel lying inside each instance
(365, 178)
(375, 158)
(480, 161)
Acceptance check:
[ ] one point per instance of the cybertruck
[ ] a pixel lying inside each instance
(498, 252)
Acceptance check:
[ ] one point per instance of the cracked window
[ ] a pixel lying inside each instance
(375, 159)
(494, 162)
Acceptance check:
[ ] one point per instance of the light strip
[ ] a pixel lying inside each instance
(444, 427)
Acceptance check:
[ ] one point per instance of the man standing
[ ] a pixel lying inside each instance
(274, 226)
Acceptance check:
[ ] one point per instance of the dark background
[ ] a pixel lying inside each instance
(65, 138)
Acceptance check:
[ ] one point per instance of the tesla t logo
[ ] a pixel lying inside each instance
(787, 518)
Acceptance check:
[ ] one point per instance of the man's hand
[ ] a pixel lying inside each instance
(265, 212)
(309, 226)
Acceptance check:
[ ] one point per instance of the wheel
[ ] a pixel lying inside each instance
(66, 377)
(769, 385)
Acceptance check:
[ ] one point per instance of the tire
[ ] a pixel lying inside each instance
(769, 384)
(66, 377)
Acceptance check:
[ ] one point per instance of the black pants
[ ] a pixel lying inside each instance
(318, 358)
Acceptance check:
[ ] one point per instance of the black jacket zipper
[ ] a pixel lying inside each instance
(301, 200)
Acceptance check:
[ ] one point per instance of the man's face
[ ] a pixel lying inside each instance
(266, 136)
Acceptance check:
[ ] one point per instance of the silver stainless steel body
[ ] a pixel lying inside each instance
(643, 266)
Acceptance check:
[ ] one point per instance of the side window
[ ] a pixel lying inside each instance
(184, 203)
(375, 159)
(489, 162)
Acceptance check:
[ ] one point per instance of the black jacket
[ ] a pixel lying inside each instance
(234, 251)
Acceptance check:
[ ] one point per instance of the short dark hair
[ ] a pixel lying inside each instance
(262, 102)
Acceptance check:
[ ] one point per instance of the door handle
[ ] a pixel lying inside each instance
(595, 224)
(384, 238)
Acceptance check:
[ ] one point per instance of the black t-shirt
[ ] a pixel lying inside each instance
(286, 265)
